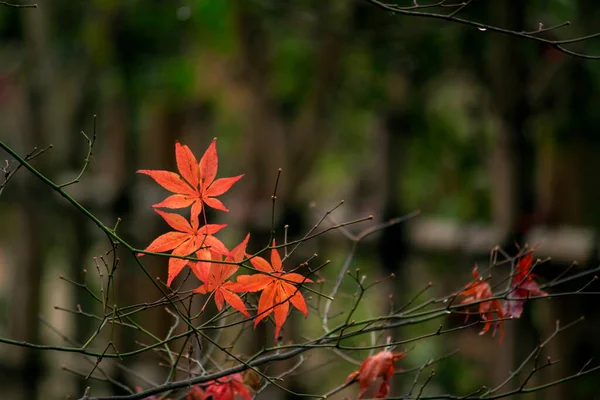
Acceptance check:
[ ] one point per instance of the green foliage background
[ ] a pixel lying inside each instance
(387, 112)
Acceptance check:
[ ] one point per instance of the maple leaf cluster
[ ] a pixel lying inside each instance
(494, 311)
(196, 186)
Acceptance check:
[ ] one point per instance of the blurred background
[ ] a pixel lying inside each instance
(494, 139)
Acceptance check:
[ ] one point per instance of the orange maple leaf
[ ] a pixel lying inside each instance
(381, 365)
(221, 389)
(195, 184)
(215, 276)
(522, 286)
(185, 240)
(277, 291)
(480, 290)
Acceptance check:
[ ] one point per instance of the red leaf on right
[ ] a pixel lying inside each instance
(481, 290)
(522, 286)
(381, 365)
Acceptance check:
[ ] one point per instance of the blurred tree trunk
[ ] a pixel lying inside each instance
(392, 247)
(573, 147)
(273, 140)
(26, 300)
(513, 160)
(35, 220)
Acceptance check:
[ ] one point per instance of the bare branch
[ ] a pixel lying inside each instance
(416, 11)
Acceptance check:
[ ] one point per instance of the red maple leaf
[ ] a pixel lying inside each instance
(481, 290)
(522, 286)
(196, 393)
(221, 389)
(381, 365)
(185, 240)
(277, 288)
(215, 276)
(195, 184)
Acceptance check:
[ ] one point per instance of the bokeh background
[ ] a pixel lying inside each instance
(494, 139)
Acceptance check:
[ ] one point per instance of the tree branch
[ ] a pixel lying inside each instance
(416, 11)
